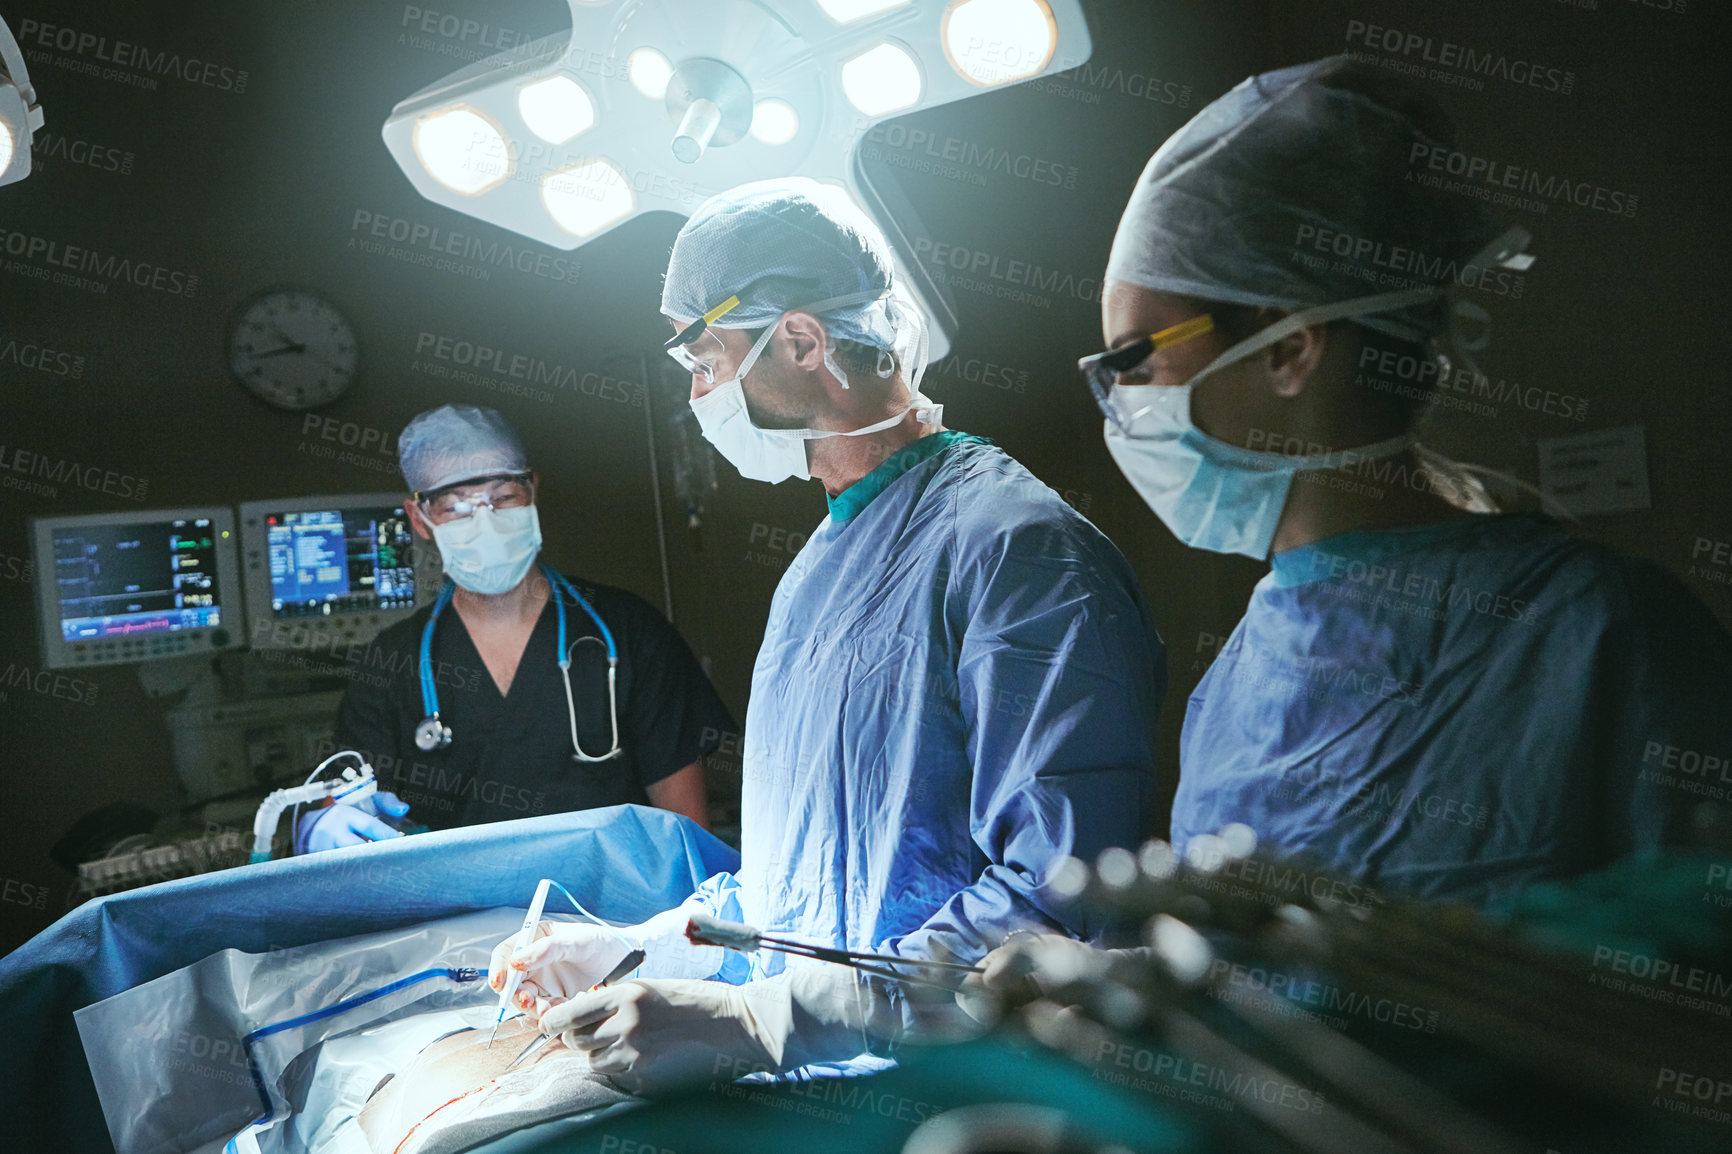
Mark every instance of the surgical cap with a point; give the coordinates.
(1298, 188)
(458, 443)
(783, 244)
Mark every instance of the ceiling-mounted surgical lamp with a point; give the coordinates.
(20, 115)
(656, 105)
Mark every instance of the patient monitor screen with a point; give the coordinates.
(327, 561)
(112, 580)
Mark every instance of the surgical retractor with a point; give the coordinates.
(704, 930)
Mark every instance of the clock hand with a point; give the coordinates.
(289, 348)
(282, 336)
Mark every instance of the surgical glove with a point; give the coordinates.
(341, 825)
(654, 1034)
(1026, 967)
(568, 958)
(668, 953)
(562, 960)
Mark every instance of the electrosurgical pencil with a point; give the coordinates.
(513, 976)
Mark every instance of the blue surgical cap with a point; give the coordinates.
(1256, 200)
(458, 443)
(783, 244)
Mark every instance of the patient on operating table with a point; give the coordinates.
(457, 1091)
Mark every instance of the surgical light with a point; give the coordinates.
(462, 150)
(650, 72)
(682, 99)
(848, 11)
(710, 103)
(882, 80)
(774, 121)
(556, 108)
(20, 115)
(993, 42)
(587, 197)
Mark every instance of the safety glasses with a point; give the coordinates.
(1102, 370)
(698, 350)
(496, 491)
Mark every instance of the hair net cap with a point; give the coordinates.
(1234, 205)
(779, 245)
(458, 443)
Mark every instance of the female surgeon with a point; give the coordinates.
(1424, 694)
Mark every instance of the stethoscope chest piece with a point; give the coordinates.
(432, 734)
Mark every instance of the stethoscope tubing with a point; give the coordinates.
(558, 582)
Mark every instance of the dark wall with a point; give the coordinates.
(252, 184)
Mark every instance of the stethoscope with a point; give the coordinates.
(434, 734)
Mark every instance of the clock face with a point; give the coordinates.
(292, 349)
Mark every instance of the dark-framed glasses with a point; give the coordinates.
(695, 348)
(1102, 370)
(496, 491)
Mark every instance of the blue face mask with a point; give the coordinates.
(490, 551)
(1213, 495)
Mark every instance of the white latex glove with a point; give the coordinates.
(668, 953)
(1026, 967)
(563, 958)
(567, 958)
(655, 1034)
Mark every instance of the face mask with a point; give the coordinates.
(490, 550)
(774, 455)
(1210, 494)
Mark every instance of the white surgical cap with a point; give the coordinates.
(458, 443)
(783, 244)
(1255, 200)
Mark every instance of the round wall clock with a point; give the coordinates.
(292, 349)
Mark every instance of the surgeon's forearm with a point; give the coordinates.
(976, 920)
(819, 1013)
(966, 936)
(683, 792)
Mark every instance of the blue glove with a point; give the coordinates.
(339, 825)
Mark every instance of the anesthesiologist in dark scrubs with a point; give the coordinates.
(463, 709)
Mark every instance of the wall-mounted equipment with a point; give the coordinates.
(119, 588)
(325, 573)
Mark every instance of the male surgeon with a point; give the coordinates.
(518, 691)
(955, 691)
(1424, 694)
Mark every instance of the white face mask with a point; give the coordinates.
(774, 455)
(490, 550)
(1213, 495)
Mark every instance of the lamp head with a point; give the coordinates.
(20, 115)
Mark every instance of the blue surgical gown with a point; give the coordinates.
(957, 689)
(1458, 709)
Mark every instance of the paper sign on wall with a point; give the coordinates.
(1599, 472)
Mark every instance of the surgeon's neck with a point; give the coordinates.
(1323, 503)
(516, 606)
(840, 462)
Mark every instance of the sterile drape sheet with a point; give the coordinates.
(624, 862)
